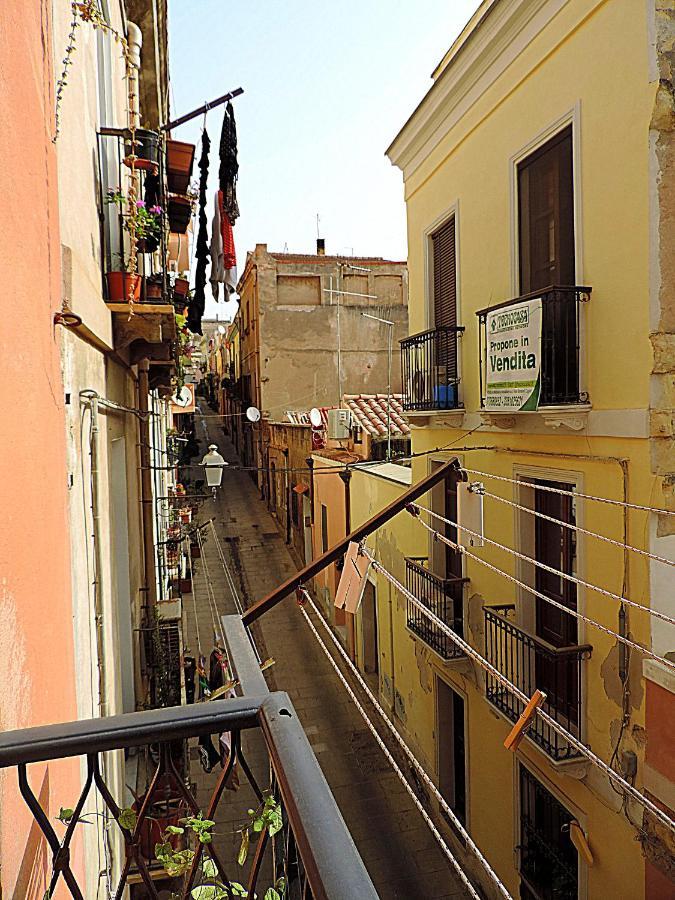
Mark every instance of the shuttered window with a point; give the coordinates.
(546, 215)
(445, 275)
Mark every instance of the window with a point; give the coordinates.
(548, 859)
(324, 528)
(546, 215)
(445, 275)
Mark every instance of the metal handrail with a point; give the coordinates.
(456, 329)
(414, 562)
(533, 295)
(551, 649)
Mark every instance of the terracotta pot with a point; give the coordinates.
(179, 161)
(181, 287)
(147, 149)
(195, 551)
(120, 284)
(185, 518)
(153, 291)
(180, 213)
(186, 585)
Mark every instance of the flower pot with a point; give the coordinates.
(153, 290)
(195, 551)
(180, 213)
(185, 517)
(120, 284)
(179, 161)
(146, 150)
(147, 244)
(181, 287)
(186, 585)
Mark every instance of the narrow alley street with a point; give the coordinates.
(399, 851)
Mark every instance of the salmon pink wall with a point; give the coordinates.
(36, 641)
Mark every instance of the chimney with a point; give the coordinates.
(320, 247)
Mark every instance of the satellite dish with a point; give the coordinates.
(221, 329)
(315, 417)
(253, 414)
(183, 397)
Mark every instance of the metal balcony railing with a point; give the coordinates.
(530, 662)
(114, 175)
(312, 851)
(429, 369)
(444, 598)
(560, 343)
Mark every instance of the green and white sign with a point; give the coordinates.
(514, 357)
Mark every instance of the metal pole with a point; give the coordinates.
(203, 109)
(389, 353)
(337, 550)
(146, 485)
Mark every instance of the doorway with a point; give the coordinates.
(369, 627)
(451, 748)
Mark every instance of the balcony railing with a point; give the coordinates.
(530, 662)
(429, 369)
(444, 598)
(560, 343)
(313, 851)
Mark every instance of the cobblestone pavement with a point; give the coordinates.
(399, 851)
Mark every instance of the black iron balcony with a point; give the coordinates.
(429, 369)
(530, 662)
(156, 842)
(560, 343)
(444, 598)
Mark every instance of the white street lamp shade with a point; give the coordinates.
(213, 462)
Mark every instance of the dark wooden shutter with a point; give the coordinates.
(546, 215)
(445, 275)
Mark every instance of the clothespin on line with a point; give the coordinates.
(517, 733)
(578, 838)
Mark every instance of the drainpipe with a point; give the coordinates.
(134, 42)
(310, 466)
(146, 486)
(346, 477)
(288, 497)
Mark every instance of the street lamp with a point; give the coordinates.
(214, 464)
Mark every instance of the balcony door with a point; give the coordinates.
(555, 546)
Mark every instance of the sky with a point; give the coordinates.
(327, 86)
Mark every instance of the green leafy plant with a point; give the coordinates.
(267, 817)
(145, 221)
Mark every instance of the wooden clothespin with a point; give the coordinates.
(578, 838)
(517, 733)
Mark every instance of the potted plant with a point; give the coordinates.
(145, 221)
(181, 287)
(180, 213)
(121, 284)
(179, 161)
(154, 287)
(146, 155)
(185, 514)
(195, 551)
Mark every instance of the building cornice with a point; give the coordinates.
(503, 31)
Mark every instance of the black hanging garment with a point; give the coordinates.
(229, 165)
(198, 301)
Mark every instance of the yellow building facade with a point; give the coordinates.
(531, 190)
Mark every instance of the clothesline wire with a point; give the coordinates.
(395, 734)
(218, 634)
(194, 594)
(392, 762)
(566, 609)
(520, 695)
(552, 490)
(574, 527)
(572, 579)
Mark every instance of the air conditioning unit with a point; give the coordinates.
(339, 424)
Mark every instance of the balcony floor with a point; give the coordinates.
(398, 849)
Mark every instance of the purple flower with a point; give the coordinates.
(156, 210)
(140, 204)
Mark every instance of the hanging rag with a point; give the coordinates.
(221, 232)
(229, 164)
(198, 301)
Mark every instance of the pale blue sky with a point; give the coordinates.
(327, 87)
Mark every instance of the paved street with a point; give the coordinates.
(400, 853)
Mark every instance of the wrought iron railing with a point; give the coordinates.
(530, 662)
(443, 597)
(429, 369)
(548, 860)
(113, 150)
(560, 343)
(310, 847)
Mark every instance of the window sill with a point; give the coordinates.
(573, 416)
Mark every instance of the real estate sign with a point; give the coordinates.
(514, 357)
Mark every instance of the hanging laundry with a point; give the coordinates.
(198, 301)
(221, 230)
(229, 164)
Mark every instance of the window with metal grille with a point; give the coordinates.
(548, 859)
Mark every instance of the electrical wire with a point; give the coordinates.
(573, 579)
(408, 752)
(573, 527)
(392, 762)
(566, 609)
(552, 490)
(520, 695)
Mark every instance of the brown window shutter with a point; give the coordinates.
(445, 275)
